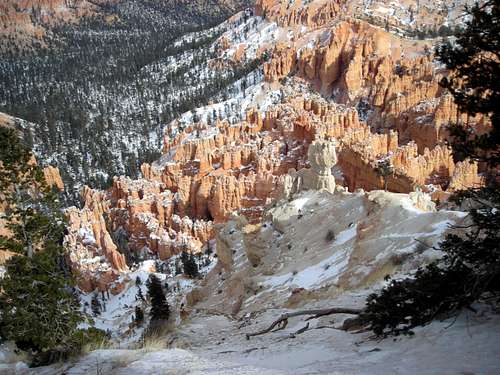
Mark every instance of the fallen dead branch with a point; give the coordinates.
(282, 321)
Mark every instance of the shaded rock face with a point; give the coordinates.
(352, 94)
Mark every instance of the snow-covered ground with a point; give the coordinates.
(467, 346)
(289, 263)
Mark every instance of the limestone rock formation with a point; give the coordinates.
(351, 94)
(29, 20)
(336, 244)
(53, 177)
(322, 157)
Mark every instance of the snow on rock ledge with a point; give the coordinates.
(322, 242)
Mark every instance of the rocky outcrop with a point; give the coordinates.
(322, 157)
(208, 173)
(365, 67)
(30, 20)
(352, 94)
(293, 13)
(401, 16)
(53, 177)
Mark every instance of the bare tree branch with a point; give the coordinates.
(282, 321)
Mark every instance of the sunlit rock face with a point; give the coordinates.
(350, 93)
(322, 158)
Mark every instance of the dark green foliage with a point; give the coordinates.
(189, 265)
(139, 294)
(139, 316)
(384, 169)
(408, 303)
(39, 309)
(159, 307)
(95, 305)
(475, 83)
(61, 88)
(91, 337)
(470, 268)
(178, 267)
(330, 236)
(32, 213)
(208, 250)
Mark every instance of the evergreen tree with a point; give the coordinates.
(39, 309)
(159, 307)
(384, 169)
(474, 83)
(32, 212)
(139, 316)
(189, 264)
(95, 305)
(470, 268)
(139, 294)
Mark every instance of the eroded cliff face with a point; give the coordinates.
(28, 20)
(343, 83)
(26, 24)
(391, 81)
(401, 15)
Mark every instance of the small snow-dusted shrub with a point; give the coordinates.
(399, 258)
(330, 236)
(81, 342)
(189, 265)
(93, 339)
(156, 338)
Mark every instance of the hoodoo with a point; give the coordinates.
(249, 187)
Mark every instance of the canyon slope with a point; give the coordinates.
(30, 23)
(288, 262)
(373, 93)
(273, 182)
(103, 78)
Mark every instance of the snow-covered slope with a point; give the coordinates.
(466, 346)
(292, 262)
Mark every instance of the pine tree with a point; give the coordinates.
(384, 169)
(159, 307)
(139, 294)
(39, 310)
(139, 316)
(32, 212)
(189, 264)
(95, 305)
(470, 268)
(474, 83)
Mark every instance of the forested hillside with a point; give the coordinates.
(98, 93)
